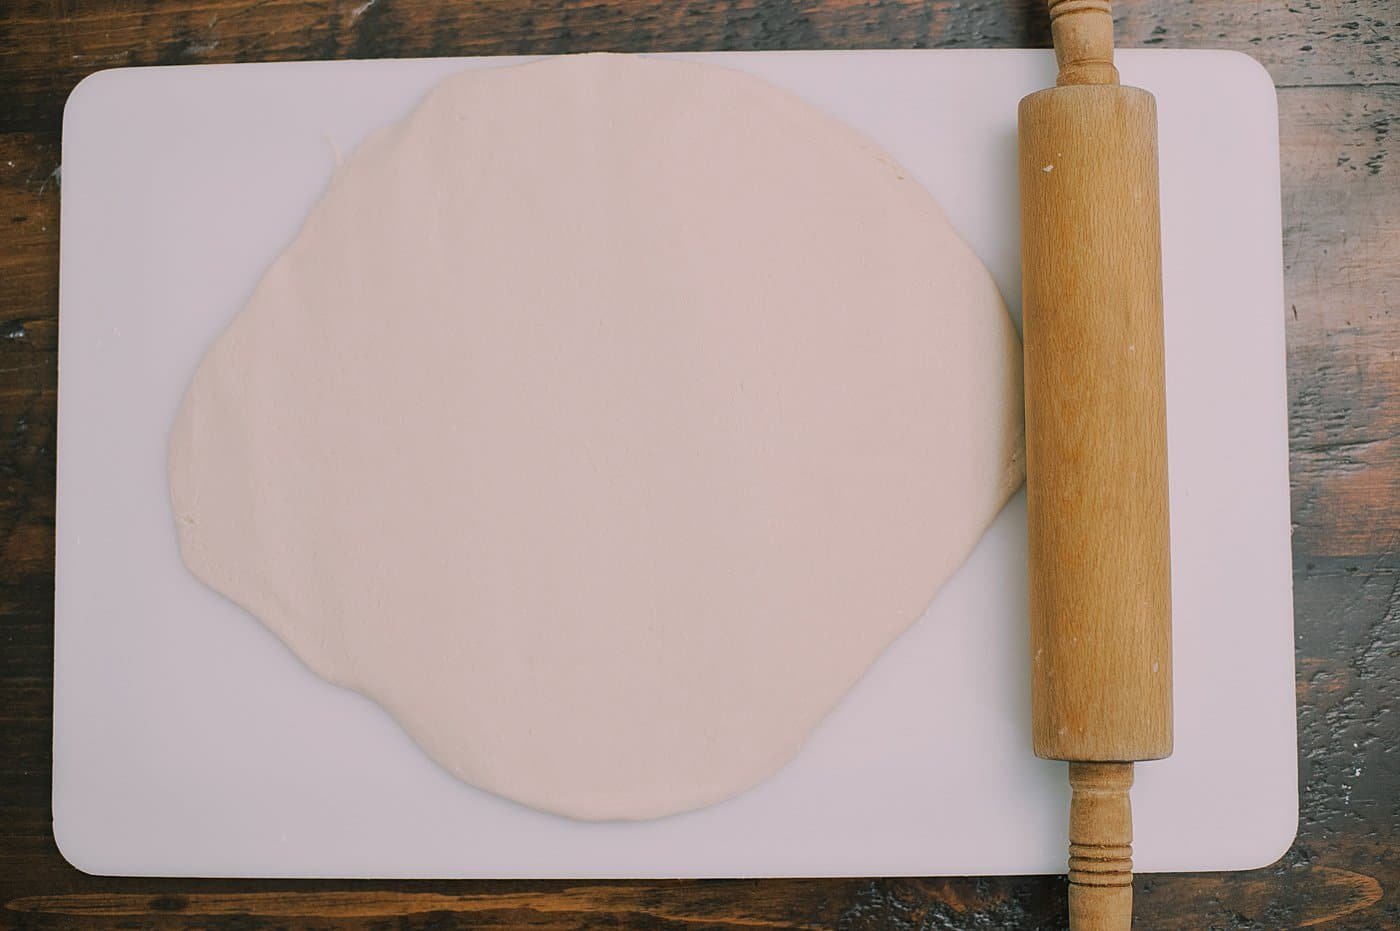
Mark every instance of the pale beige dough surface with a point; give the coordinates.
(608, 417)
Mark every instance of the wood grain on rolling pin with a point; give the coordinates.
(1095, 425)
(1096, 448)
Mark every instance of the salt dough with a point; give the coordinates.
(605, 421)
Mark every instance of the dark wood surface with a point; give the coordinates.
(1337, 65)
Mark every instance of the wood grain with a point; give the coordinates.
(1096, 448)
(52, 44)
(1096, 428)
(1341, 201)
(1337, 61)
(1082, 33)
(1100, 847)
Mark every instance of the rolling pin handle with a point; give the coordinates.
(1083, 34)
(1100, 847)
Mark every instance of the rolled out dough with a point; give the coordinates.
(604, 422)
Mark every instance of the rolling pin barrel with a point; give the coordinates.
(1095, 425)
(1095, 448)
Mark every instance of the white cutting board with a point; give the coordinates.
(189, 741)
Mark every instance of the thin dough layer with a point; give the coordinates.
(605, 421)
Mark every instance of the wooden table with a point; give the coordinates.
(1337, 67)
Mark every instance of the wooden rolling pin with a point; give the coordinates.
(1096, 456)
